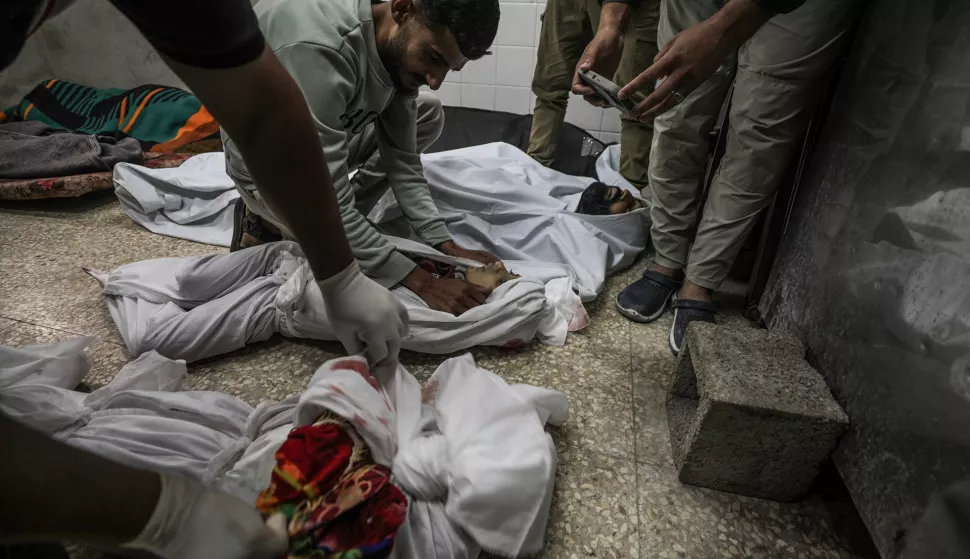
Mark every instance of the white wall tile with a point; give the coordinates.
(481, 71)
(452, 77)
(478, 96)
(582, 114)
(532, 102)
(611, 121)
(515, 66)
(517, 26)
(539, 10)
(609, 137)
(450, 94)
(512, 99)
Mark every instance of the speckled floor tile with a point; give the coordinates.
(682, 521)
(594, 510)
(52, 291)
(616, 494)
(650, 431)
(597, 383)
(101, 237)
(106, 358)
(271, 370)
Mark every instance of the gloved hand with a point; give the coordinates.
(191, 521)
(365, 315)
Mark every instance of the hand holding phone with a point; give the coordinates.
(607, 90)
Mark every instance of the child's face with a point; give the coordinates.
(489, 276)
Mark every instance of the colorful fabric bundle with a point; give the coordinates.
(162, 118)
(338, 503)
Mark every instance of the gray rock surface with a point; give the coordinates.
(747, 414)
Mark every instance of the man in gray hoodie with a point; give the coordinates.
(360, 66)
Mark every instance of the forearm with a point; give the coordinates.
(264, 112)
(614, 16)
(738, 21)
(51, 491)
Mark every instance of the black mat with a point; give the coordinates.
(474, 127)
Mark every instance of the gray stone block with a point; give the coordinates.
(747, 414)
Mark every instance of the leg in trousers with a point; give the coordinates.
(677, 162)
(638, 54)
(680, 144)
(370, 183)
(781, 72)
(566, 30)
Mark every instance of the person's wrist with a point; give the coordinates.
(447, 247)
(417, 280)
(340, 279)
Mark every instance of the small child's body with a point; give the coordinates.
(489, 276)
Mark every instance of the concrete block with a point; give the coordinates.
(747, 414)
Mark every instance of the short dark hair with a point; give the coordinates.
(593, 201)
(474, 23)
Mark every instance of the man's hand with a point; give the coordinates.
(693, 55)
(603, 53)
(365, 315)
(445, 294)
(452, 249)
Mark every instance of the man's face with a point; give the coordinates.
(621, 201)
(419, 55)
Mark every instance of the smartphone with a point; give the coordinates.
(607, 90)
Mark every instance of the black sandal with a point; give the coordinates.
(245, 222)
(685, 312)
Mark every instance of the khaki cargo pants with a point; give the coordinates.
(778, 78)
(567, 27)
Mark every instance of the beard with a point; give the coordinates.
(392, 57)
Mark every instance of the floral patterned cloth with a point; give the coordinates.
(338, 503)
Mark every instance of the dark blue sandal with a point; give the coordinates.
(685, 312)
(645, 300)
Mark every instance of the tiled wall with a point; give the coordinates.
(503, 81)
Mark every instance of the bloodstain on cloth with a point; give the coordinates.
(338, 503)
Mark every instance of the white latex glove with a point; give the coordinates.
(365, 316)
(191, 521)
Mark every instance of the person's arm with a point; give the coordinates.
(217, 48)
(51, 491)
(695, 53)
(264, 112)
(327, 81)
(401, 162)
(603, 53)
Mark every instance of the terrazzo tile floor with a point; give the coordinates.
(617, 494)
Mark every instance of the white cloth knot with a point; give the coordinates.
(421, 468)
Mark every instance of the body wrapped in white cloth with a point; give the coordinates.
(201, 306)
(471, 454)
